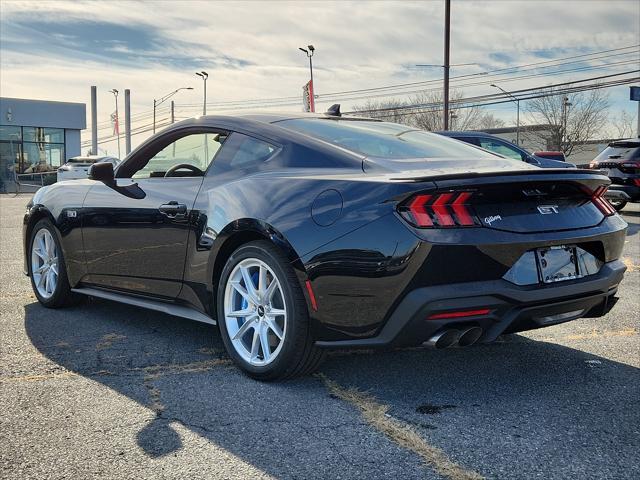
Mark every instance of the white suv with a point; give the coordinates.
(78, 167)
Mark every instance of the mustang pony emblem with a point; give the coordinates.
(548, 209)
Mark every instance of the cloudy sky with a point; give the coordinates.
(56, 50)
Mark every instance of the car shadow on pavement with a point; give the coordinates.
(528, 405)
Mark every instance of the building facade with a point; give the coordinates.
(36, 137)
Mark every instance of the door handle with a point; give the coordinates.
(173, 209)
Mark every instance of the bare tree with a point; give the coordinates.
(424, 111)
(572, 119)
(623, 125)
(488, 120)
(389, 110)
(429, 117)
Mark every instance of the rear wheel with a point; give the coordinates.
(618, 204)
(47, 268)
(263, 315)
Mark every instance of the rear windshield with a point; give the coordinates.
(384, 140)
(621, 150)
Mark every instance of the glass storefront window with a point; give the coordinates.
(10, 133)
(29, 152)
(41, 157)
(39, 134)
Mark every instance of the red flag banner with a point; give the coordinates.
(308, 101)
(115, 124)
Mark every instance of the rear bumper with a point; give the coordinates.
(513, 308)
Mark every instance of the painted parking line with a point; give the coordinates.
(399, 432)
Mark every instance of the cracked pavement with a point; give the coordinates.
(103, 390)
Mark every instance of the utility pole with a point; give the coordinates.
(127, 121)
(565, 112)
(447, 41)
(204, 75)
(517, 100)
(94, 120)
(115, 94)
(173, 112)
(161, 100)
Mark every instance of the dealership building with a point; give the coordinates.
(36, 137)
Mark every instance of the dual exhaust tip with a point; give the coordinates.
(451, 336)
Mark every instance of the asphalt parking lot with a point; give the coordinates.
(103, 390)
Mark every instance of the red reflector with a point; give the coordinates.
(451, 209)
(599, 201)
(466, 313)
(460, 209)
(440, 209)
(312, 297)
(419, 212)
(636, 181)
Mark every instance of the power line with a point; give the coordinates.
(483, 100)
(413, 84)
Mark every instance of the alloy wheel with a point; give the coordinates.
(255, 312)
(44, 263)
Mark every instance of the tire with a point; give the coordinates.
(47, 294)
(618, 204)
(289, 355)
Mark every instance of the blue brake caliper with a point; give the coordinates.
(245, 304)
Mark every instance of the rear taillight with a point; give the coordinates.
(630, 167)
(443, 210)
(636, 182)
(597, 197)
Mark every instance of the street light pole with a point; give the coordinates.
(204, 75)
(161, 100)
(309, 51)
(447, 43)
(115, 94)
(517, 100)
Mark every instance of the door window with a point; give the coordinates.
(242, 152)
(188, 156)
(501, 148)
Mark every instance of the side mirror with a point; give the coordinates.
(102, 172)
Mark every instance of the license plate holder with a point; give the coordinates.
(558, 263)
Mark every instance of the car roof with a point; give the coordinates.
(267, 117)
(466, 133)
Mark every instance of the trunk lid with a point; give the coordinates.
(528, 201)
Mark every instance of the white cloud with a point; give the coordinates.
(359, 45)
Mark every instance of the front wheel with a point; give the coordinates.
(47, 268)
(263, 315)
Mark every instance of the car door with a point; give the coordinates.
(135, 232)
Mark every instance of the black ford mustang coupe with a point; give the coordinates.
(299, 233)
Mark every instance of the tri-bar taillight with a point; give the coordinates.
(597, 197)
(440, 210)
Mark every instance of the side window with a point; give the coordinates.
(241, 152)
(500, 148)
(193, 153)
(471, 140)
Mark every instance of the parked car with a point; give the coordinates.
(303, 232)
(78, 167)
(551, 155)
(507, 149)
(620, 161)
